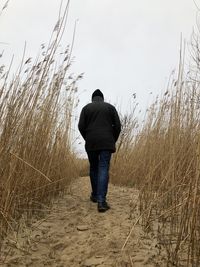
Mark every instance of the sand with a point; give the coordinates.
(73, 233)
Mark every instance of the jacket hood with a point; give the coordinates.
(97, 99)
(97, 93)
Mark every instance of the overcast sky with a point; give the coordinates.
(123, 47)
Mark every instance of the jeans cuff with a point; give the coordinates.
(101, 199)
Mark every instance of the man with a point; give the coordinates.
(100, 126)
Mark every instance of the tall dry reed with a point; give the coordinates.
(36, 157)
(162, 159)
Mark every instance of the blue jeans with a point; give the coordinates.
(99, 173)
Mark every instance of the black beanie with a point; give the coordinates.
(97, 93)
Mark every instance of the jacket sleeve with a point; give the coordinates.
(82, 124)
(116, 124)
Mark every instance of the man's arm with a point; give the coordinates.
(81, 124)
(116, 124)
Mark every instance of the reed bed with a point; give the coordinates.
(162, 159)
(83, 167)
(36, 157)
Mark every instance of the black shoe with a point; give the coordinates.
(103, 206)
(93, 199)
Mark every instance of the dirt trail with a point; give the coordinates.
(74, 234)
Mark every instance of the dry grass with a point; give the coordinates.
(83, 167)
(163, 161)
(36, 159)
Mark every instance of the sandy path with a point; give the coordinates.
(74, 234)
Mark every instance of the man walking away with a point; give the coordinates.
(100, 126)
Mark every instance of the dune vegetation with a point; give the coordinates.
(161, 157)
(36, 156)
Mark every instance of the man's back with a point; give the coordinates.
(100, 126)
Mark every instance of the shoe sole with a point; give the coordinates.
(103, 210)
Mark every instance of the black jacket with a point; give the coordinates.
(100, 126)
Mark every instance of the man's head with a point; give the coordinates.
(97, 93)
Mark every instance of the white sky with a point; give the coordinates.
(123, 47)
